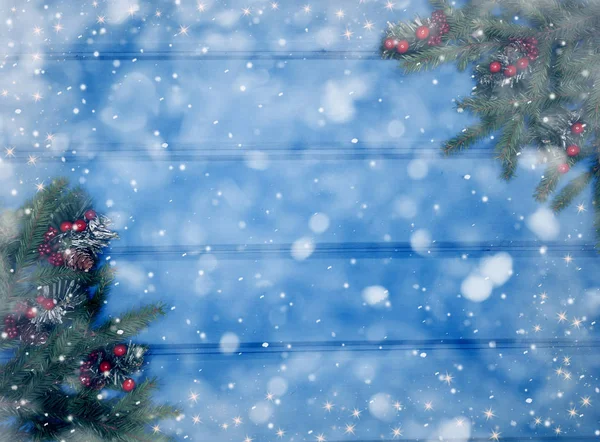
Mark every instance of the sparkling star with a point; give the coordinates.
(557, 431)
(328, 406)
(100, 19)
(489, 414)
(37, 30)
(368, 25)
(37, 97)
(447, 378)
(157, 13)
(269, 396)
(389, 5)
(460, 421)
(193, 397)
(32, 159)
(397, 406)
(50, 137)
(585, 401)
(568, 259)
(132, 9)
(237, 420)
(356, 413)
(562, 316)
(321, 438)
(36, 57)
(4, 93)
(246, 11)
(559, 371)
(225, 426)
(280, 432)
(339, 14)
(196, 420)
(543, 296)
(95, 4)
(247, 439)
(10, 151)
(495, 435)
(576, 322)
(155, 429)
(537, 328)
(537, 421)
(567, 376)
(567, 360)
(183, 30)
(396, 432)
(348, 33)
(201, 7)
(428, 406)
(58, 27)
(39, 187)
(580, 208)
(306, 8)
(274, 5)
(349, 429)
(572, 412)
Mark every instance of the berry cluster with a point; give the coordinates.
(49, 248)
(10, 327)
(527, 46)
(440, 26)
(516, 56)
(99, 366)
(432, 32)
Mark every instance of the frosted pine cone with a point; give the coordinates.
(79, 259)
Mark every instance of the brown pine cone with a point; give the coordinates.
(78, 260)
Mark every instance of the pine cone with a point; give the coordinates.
(78, 259)
(31, 335)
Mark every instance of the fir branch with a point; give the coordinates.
(433, 57)
(568, 193)
(128, 325)
(547, 185)
(34, 227)
(472, 135)
(46, 275)
(510, 144)
(106, 276)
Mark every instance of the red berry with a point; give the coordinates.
(389, 43)
(65, 226)
(563, 168)
(85, 380)
(577, 128)
(79, 225)
(31, 312)
(128, 384)
(120, 350)
(48, 303)
(56, 259)
(90, 214)
(40, 299)
(522, 63)
(422, 32)
(105, 366)
(402, 46)
(573, 150)
(495, 67)
(510, 71)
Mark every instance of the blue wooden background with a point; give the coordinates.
(281, 188)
